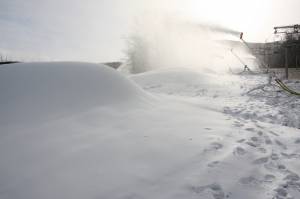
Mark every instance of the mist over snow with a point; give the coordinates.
(92, 30)
(96, 30)
(166, 41)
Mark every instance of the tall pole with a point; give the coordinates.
(286, 63)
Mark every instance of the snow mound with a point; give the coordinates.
(185, 82)
(42, 91)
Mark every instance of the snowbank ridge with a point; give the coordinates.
(42, 91)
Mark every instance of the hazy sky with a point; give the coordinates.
(95, 30)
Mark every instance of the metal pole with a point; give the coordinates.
(261, 62)
(286, 63)
(242, 62)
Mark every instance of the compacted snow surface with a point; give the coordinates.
(78, 130)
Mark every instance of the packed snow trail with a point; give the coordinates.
(174, 139)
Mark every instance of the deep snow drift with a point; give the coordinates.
(166, 134)
(41, 91)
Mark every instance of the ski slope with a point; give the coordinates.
(80, 130)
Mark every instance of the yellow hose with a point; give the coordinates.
(284, 87)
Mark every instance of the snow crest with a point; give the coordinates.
(41, 91)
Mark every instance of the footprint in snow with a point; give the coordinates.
(253, 181)
(250, 129)
(261, 160)
(262, 150)
(290, 156)
(251, 144)
(215, 146)
(297, 141)
(269, 178)
(214, 189)
(274, 166)
(283, 146)
(268, 141)
(254, 139)
(260, 133)
(274, 156)
(238, 124)
(239, 151)
(281, 167)
(292, 177)
(249, 181)
(241, 141)
(291, 182)
(281, 193)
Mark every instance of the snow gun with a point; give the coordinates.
(250, 49)
(241, 36)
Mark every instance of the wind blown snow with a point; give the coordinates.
(180, 127)
(168, 42)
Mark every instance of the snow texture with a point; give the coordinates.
(41, 91)
(79, 130)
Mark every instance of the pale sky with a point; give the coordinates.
(95, 30)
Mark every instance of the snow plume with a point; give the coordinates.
(221, 29)
(163, 42)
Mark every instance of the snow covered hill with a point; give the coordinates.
(79, 130)
(35, 92)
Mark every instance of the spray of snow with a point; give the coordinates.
(164, 42)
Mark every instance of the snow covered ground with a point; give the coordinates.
(78, 130)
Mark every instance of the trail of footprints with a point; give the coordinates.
(263, 142)
(213, 189)
(271, 163)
